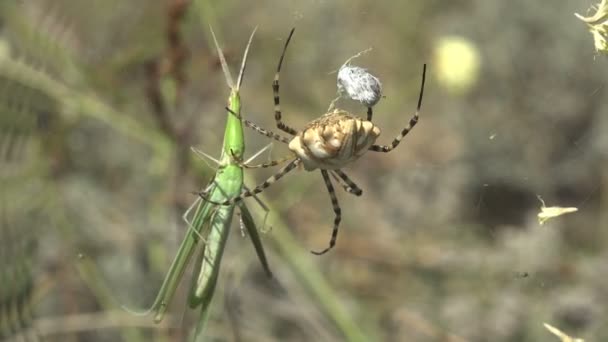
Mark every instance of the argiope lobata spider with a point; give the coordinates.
(327, 143)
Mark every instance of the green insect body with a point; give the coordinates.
(228, 182)
(211, 223)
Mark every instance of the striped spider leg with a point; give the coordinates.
(411, 124)
(327, 143)
(348, 185)
(339, 176)
(275, 91)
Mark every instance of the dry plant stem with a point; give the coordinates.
(166, 106)
(177, 51)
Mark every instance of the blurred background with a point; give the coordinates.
(445, 243)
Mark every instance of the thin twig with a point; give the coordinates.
(177, 52)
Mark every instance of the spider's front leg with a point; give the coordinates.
(275, 92)
(248, 193)
(266, 132)
(259, 129)
(239, 161)
(397, 140)
(412, 123)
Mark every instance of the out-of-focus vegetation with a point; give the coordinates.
(444, 244)
(598, 26)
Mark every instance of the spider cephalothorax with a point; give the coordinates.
(328, 143)
(334, 140)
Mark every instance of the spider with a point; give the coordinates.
(328, 143)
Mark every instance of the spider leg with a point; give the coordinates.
(275, 91)
(341, 183)
(271, 163)
(266, 132)
(337, 211)
(248, 193)
(406, 130)
(350, 186)
(370, 113)
(259, 129)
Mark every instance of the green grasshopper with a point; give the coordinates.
(211, 223)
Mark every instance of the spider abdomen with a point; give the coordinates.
(333, 140)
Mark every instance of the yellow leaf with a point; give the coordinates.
(551, 212)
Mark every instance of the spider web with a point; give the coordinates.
(445, 240)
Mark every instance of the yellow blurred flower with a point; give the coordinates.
(457, 63)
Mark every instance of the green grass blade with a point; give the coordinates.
(254, 236)
(182, 258)
(179, 264)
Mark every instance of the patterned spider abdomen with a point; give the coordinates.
(333, 140)
(359, 85)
